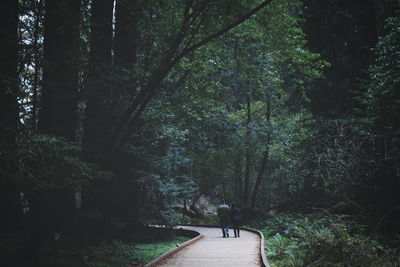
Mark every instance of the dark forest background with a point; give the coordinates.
(116, 114)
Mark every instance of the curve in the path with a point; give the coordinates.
(213, 250)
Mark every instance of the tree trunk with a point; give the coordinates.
(184, 208)
(98, 118)
(223, 190)
(36, 56)
(247, 170)
(58, 111)
(125, 51)
(8, 71)
(101, 31)
(238, 180)
(9, 194)
(265, 158)
(126, 34)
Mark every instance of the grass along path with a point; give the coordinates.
(116, 253)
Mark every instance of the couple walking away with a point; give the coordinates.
(225, 213)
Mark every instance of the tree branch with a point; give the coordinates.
(222, 31)
(168, 63)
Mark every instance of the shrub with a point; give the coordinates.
(322, 240)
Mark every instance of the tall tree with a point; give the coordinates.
(343, 32)
(8, 112)
(37, 61)
(126, 33)
(125, 46)
(58, 111)
(8, 69)
(264, 161)
(97, 118)
(246, 191)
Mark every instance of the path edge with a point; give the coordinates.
(263, 256)
(175, 250)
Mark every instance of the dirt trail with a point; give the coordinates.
(213, 250)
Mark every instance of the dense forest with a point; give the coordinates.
(117, 114)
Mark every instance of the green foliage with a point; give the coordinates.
(346, 164)
(190, 134)
(340, 159)
(248, 62)
(47, 185)
(159, 173)
(290, 154)
(46, 162)
(382, 96)
(324, 240)
(115, 253)
(123, 254)
(205, 220)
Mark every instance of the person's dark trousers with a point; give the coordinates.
(224, 225)
(236, 229)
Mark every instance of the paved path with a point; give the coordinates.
(213, 250)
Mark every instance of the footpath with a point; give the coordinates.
(213, 250)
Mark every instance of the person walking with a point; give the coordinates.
(223, 214)
(236, 216)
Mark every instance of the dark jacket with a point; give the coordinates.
(235, 214)
(223, 212)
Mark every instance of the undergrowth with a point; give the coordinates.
(324, 240)
(116, 253)
(205, 220)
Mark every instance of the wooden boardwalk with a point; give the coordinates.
(213, 250)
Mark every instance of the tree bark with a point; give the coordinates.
(36, 56)
(8, 71)
(58, 111)
(238, 180)
(98, 118)
(125, 42)
(265, 158)
(101, 31)
(9, 194)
